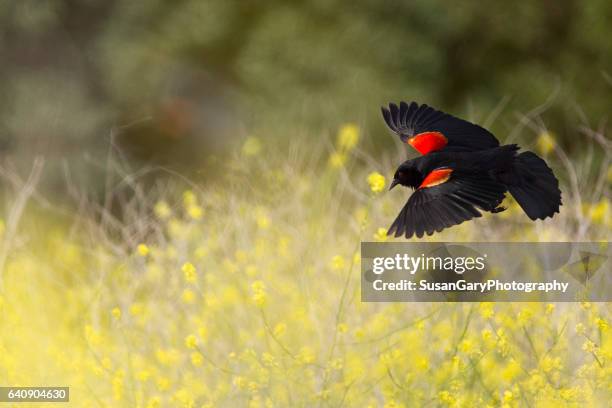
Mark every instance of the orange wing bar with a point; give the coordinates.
(428, 142)
(436, 177)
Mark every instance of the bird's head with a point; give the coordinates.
(407, 175)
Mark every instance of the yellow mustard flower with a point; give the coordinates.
(589, 346)
(189, 272)
(381, 235)
(546, 142)
(259, 293)
(195, 212)
(376, 182)
(163, 384)
(188, 296)
(143, 375)
(189, 198)
(279, 329)
(162, 210)
(600, 211)
(602, 324)
(154, 402)
(143, 250)
(196, 359)
(191, 341)
(348, 136)
(338, 263)
(116, 313)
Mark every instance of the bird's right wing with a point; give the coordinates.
(446, 198)
(427, 129)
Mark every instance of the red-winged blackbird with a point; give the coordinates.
(463, 169)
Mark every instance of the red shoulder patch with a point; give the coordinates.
(436, 177)
(428, 142)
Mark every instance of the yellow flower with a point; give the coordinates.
(381, 235)
(342, 328)
(162, 210)
(337, 160)
(189, 198)
(143, 250)
(486, 335)
(136, 309)
(600, 211)
(524, 316)
(511, 371)
(548, 364)
(252, 146)
(486, 310)
(602, 324)
(338, 263)
(143, 375)
(189, 272)
(589, 346)
(422, 363)
(197, 359)
(188, 296)
(376, 182)
(116, 313)
(154, 402)
(348, 136)
(259, 293)
(191, 341)
(258, 286)
(195, 212)
(446, 397)
(268, 360)
(279, 329)
(546, 142)
(163, 384)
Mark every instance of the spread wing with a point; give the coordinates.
(446, 198)
(427, 129)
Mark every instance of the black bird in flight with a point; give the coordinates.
(463, 169)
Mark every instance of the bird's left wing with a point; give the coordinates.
(428, 130)
(446, 198)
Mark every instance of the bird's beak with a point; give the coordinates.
(394, 183)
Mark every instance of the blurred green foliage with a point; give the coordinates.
(174, 81)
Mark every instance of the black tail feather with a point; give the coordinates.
(535, 187)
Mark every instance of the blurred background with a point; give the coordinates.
(176, 83)
(184, 187)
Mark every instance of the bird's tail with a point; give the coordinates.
(534, 186)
